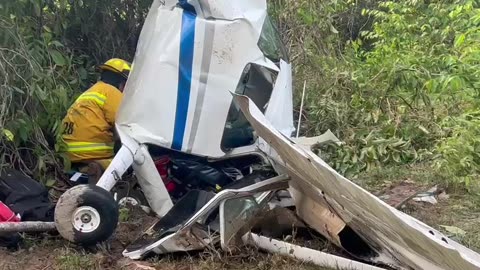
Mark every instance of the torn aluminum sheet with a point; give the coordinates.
(309, 142)
(397, 238)
(428, 196)
(191, 54)
(191, 223)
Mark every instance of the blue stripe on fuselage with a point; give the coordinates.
(187, 38)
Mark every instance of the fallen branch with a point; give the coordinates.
(27, 226)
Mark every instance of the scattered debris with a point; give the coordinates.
(327, 137)
(398, 195)
(428, 196)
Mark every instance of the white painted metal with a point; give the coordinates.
(119, 165)
(151, 183)
(86, 219)
(305, 254)
(128, 200)
(134, 154)
(156, 109)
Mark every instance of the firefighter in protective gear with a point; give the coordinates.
(88, 127)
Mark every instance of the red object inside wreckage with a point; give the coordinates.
(161, 164)
(7, 215)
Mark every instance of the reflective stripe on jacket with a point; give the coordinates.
(78, 147)
(87, 130)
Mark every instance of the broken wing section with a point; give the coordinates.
(395, 236)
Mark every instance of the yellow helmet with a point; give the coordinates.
(117, 65)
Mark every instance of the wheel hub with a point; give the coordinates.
(128, 200)
(86, 219)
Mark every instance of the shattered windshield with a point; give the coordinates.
(270, 42)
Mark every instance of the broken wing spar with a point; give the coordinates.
(389, 232)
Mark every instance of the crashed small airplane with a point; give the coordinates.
(212, 81)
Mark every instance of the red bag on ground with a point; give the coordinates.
(7, 215)
(9, 240)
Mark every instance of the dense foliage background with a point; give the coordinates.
(398, 81)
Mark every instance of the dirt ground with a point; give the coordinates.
(52, 252)
(457, 214)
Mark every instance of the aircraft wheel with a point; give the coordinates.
(86, 215)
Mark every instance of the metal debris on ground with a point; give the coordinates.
(428, 196)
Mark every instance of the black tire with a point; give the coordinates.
(87, 205)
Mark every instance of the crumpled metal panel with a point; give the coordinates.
(398, 238)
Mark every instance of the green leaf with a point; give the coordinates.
(41, 164)
(23, 134)
(82, 73)
(333, 29)
(36, 7)
(57, 58)
(18, 90)
(422, 128)
(459, 40)
(396, 157)
(50, 183)
(56, 43)
(454, 230)
(67, 164)
(124, 214)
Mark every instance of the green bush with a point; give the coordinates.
(459, 151)
(38, 77)
(48, 51)
(386, 90)
(422, 69)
